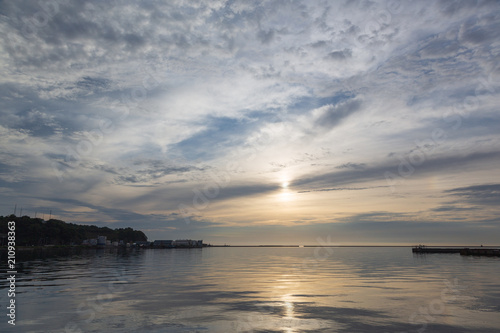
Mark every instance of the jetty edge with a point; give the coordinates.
(465, 251)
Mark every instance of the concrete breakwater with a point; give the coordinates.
(479, 251)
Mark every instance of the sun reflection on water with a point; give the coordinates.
(289, 314)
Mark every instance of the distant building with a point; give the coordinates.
(182, 243)
(163, 243)
(179, 243)
(188, 243)
(101, 240)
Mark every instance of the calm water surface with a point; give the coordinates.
(257, 290)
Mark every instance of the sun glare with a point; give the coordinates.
(285, 194)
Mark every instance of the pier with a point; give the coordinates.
(480, 252)
(465, 251)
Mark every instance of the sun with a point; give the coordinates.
(285, 194)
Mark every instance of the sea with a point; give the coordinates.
(254, 289)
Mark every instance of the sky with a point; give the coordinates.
(255, 122)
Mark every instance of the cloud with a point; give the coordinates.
(120, 217)
(402, 169)
(340, 55)
(219, 134)
(265, 36)
(198, 197)
(93, 84)
(486, 194)
(440, 48)
(331, 115)
(478, 31)
(342, 189)
(411, 228)
(450, 7)
(350, 165)
(453, 208)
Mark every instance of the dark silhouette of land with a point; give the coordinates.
(38, 232)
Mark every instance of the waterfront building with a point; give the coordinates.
(163, 243)
(101, 240)
(188, 243)
(179, 243)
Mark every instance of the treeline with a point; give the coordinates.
(36, 231)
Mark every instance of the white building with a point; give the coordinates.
(188, 243)
(101, 240)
